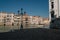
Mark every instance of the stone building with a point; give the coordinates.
(6, 18)
(54, 9)
(54, 13)
(11, 19)
(17, 20)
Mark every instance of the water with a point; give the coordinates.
(8, 28)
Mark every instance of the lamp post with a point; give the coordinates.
(21, 18)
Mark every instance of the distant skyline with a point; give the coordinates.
(32, 7)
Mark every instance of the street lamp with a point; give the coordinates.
(21, 18)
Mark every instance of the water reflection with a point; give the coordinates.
(8, 28)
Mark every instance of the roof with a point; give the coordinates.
(7, 12)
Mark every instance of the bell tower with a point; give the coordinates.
(54, 9)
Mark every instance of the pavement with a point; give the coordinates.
(31, 34)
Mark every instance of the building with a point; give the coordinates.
(54, 9)
(26, 19)
(40, 20)
(2, 17)
(6, 18)
(54, 13)
(17, 20)
(35, 20)
(46, 21)
(11, 19)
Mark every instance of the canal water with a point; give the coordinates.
(8, 28)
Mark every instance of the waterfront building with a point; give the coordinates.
(46, 21)
(12, 19)
(2, 17)
(6, 18)
(35, 20)
(17, 20)
(40, 20)
(26, 19)
(9, 19)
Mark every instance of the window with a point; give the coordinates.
(8, 19)
(52, 5)
(8, 15)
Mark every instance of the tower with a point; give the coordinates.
(54, 13)
(54, 9)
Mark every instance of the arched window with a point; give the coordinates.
(52, 5)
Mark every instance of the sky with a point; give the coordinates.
(32, 7)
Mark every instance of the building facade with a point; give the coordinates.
(54, 13)
(15, 19)
(45, 21)
(6, 18)
(54, 9)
